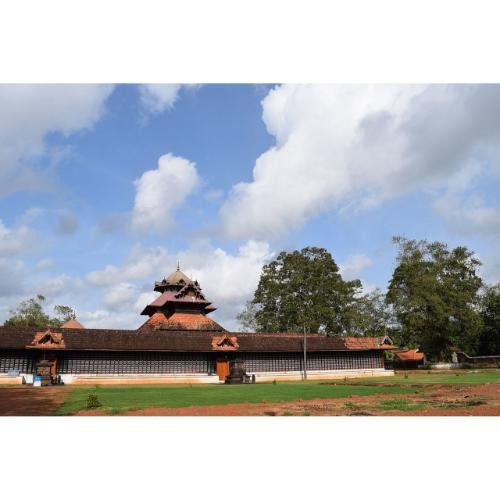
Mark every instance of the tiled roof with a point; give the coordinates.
(363, 343)
(182, 341)
(72, 323)
(410, 355)
(181, 321)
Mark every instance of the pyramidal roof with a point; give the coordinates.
(73, 323)
(177, 277)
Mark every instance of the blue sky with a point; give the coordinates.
(104, 188)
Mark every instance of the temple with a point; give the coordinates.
(180, 343)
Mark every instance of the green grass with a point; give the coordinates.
(119, 399)
(400, 404)
(435, 377)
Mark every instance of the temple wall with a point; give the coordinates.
(133, 363)
(93, 367)
(16, 359)
(316, 361)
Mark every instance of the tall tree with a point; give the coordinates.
(489, 338)
(301, 289)
(370, 315)
(434, 292)
(30, 313)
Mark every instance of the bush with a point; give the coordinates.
(93, 401)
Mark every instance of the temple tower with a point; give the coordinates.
(181, 306)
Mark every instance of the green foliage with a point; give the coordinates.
(489, 339)
(30, 313)
(64, 313)
(370, 315)
(301, 289)
(93, 401)
(247, 319)
(434, 293)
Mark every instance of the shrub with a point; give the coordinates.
(93, 401)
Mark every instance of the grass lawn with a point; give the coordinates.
(118, 399)
(435, 377)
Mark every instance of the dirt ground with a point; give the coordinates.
(28, 401)
(437, 400)
(444, 400)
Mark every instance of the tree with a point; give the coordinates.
(434, 292)
(247, 318)
(370, 315)
(30, 313)
(64, 313)
(301, 289)
(489, 338)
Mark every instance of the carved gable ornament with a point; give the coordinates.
(224, 343)
(47, 340)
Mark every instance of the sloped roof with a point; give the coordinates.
(177, 277)
(181, 340)
(410, 355)
(182, 321)
(73, 323)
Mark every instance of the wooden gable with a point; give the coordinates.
(47, 340)
(224, 343)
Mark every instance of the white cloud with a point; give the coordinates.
(56, 286)
(346, 147)
(141, 263)
(29, 113)
(118, 296)
(469, 215)
(353, 265)
(11, 277)
(160, 191)
(226, 277)
(157, 98)
(102, 318)
(15, 240)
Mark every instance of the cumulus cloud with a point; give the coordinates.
(29, 113)
(56, 286)
(353, 265)
(469, 215)
(11, 277)
(350, 147)
(103, 318)
(15, 240)
(118, 295)
(157, 98)
(160, 191)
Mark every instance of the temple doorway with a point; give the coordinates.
(222, 368)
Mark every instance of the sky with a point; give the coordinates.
(104, 188)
